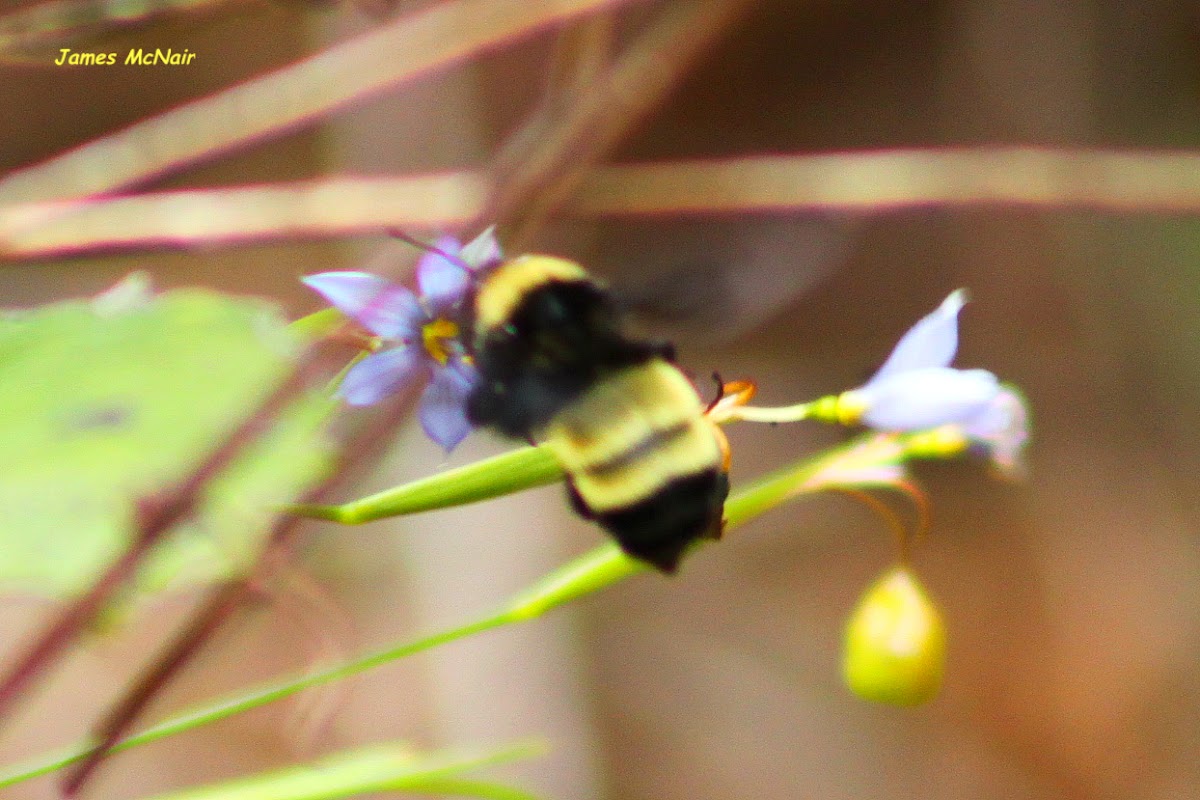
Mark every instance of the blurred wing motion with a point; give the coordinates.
(713, 281)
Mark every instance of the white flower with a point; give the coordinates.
(916, 388)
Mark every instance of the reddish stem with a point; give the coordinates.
(156, 514)
(365, 446)
(543, 170)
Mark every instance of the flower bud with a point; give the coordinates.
(895, 643)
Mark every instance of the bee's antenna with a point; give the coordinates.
(716, 376)
(429, 248)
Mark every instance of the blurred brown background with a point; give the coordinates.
(1073, 600)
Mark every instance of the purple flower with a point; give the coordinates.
(422, 331)
(916, 387)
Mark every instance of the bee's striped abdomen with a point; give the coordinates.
(649, 468)
(626, 425)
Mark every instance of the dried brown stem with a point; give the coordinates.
(405, 49)
(156, 515)
(1107, 181)
(573, 138)
(366, 446)
(534, 181)
(223, 600)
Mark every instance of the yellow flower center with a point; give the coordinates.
(435, 335)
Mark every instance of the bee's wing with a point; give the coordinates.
(714, 281)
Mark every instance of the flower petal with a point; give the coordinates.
(443, 411)
(380, 374)
(1003, 428)
(382, 308)
(926, 398)
(875, 462)
(932, 342)
(482, 251)
(443, 281)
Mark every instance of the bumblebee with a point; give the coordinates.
(627, 426)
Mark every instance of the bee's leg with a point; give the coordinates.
(579, 505)
(726, 461)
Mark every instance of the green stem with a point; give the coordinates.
(524, 468)
(589, 573)
(379, 768)
(465, 787)
(254, 699)
(319, 323)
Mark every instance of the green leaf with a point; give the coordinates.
(381, 768)
(106, 401)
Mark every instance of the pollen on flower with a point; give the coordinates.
(415, 339)
(436, 336)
